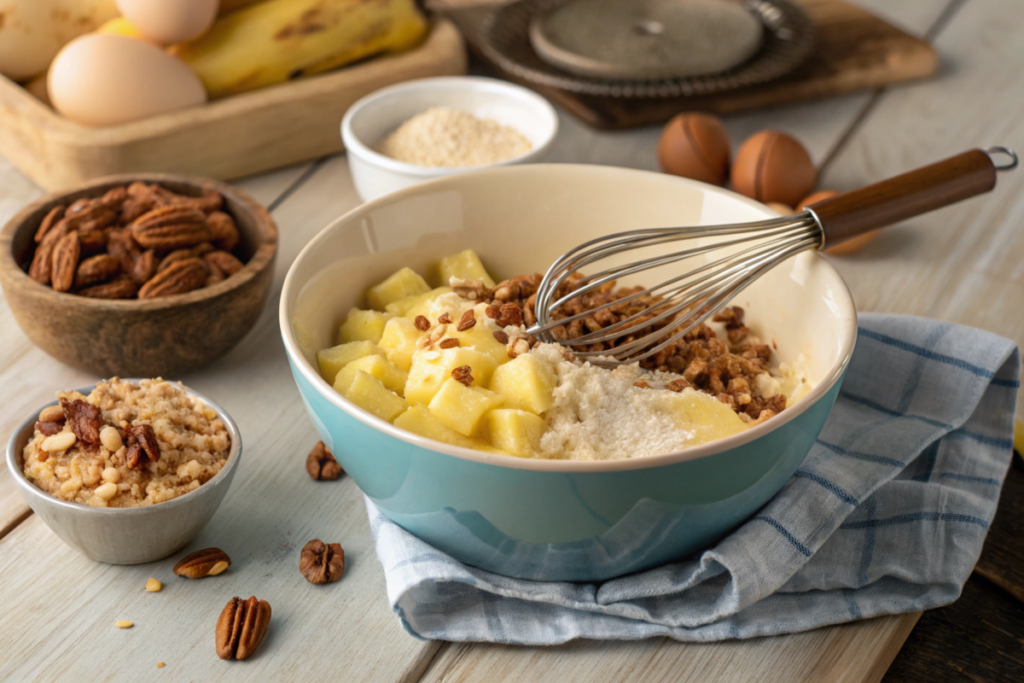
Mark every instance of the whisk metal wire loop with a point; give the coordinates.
(705, 290)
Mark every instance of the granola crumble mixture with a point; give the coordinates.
(126, 445)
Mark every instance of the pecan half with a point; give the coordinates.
(421, 323)
(64, 262)
(142, 446)
(501, 336)
(463, 375)
(93, 241)
(492, 311)
(321, 463)
(227, 263)
(223, 229)
(449, 343)
(201, 563)
(174, 257)
(86, 421)
(322, 562)
(179, 278)
(241, 627)
(96, 269)
(143, 266)
(171, 227)
(122, 288)
(42, 263)
(207, 201)
(51, 219)
(444, 318)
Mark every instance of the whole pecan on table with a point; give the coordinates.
(322, 562)
(321, 463)
(241, 627)
(202, 563)
(119, 245)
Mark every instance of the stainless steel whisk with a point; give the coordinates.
(694, 296)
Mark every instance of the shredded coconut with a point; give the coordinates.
(447, 137)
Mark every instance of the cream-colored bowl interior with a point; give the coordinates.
(519, 219)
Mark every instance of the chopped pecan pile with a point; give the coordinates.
(725, 369)
(136, 241)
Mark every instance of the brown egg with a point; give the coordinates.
(695, 146)
(781, 208)
(773, 167)
(815, 197)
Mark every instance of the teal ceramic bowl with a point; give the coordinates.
(559, 520)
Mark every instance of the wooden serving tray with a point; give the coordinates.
(228, 138)
(853, 50)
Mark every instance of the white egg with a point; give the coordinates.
(103, 80)
(33, 31)
(170, 21)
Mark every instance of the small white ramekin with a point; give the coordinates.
(369, 121)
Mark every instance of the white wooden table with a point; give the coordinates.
(57, 609)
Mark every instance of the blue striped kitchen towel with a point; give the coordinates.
(887, 514)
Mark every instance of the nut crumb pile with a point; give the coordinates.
(125, 445)
(445, 137)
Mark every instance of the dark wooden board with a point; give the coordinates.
(854, 50)
(980, 637)
(1002, 558)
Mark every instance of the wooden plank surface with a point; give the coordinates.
(346, 630)
(1002, 558)
(978, 638)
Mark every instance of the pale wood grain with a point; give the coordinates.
(964, 263)
(854, 653)
(228, 138)
(346, 630)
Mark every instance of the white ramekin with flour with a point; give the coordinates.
(372, 119)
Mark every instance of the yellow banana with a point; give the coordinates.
(277, 40)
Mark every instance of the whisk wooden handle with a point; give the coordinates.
(849, 214)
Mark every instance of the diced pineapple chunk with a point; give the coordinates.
(481, 339)
(526, 383)
(376, 366)
(363, 326)
(702, 415)
(370, 394)
(412, 306)
(402, 285)
(399, 342)
(465, 265)
(462, 408)
(419, 420)
(431, 367)
(333, 359)
(515, 431)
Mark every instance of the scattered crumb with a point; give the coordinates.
(123, 623)
(153, 586)
(159, 665)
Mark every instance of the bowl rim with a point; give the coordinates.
(12, 275)
(309, 373)
(354, 145)
(30, 490)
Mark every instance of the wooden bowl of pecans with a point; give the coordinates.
(143, 275)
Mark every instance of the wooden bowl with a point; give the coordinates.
(162, 337)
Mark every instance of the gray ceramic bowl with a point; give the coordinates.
(126, 535)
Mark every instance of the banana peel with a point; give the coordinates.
(275, 41)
